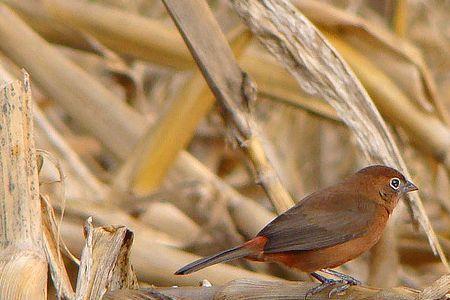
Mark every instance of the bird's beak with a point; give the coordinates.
(409, 187)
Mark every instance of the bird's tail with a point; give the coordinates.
(247, 249)
(227, 255)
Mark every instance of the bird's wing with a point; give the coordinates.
(320, 221)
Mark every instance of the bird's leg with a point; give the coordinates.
(346, 279)
(350, 280)
(325, 282)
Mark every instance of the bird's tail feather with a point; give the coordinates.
(227, 255)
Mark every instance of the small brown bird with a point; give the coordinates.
(325, 229)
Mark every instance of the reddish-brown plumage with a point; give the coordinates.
(334, 256)
(326, 228)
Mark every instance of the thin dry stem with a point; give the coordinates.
(400, 18)
(232, 88)
(96, 189)
(52, 243)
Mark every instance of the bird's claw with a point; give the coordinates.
(353, 281)
(340, 286)
(325, 284)
(339, 289)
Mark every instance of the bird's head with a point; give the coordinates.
(387, 184)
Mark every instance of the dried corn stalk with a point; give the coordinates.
(105, 264)
(246, 289)
(23, 266)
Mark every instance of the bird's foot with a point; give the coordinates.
(324, 284)
(339, 285)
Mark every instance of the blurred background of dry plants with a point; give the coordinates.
(144, 165)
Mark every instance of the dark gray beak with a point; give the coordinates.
(409, 187)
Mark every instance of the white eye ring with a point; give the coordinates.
(395, 183)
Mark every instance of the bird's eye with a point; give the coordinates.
(395, 183)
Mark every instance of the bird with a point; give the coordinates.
(325, 229)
